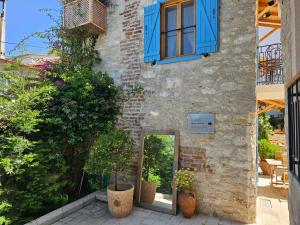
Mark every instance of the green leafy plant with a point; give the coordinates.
(82, 106)
(49, 118)
(184, 179)
(264, 126)
(266, 149)
(158, 161)
(112, 152)
(152, 154)
(31, 169)
(278, 121)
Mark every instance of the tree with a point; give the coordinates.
(152, 153)
(111, 152)
(264, 126)
(30, 168)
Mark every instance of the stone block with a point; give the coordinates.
(51, 217)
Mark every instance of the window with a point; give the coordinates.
(178, 29)
(294, 128)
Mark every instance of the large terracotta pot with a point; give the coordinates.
(148, 191)
(187, 203)
(120, 202)
(265, 167)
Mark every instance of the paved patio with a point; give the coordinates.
(272, 204)
(272, 209)
(97, 214)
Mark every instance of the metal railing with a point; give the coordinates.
(294, 126)
(270, 66)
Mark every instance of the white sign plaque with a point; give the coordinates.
(201, 123)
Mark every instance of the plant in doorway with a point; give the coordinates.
(112, 152)
(187, 202)
(152, 153)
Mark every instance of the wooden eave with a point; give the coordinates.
(269, 105)
(262, 8)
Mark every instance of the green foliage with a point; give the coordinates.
(112, 152)
(30, 169)
(153, 146)
(166, 164)
(277, 121)
(266, 149)
(158, 161)
(264, 126)
(184, 179)
(48, 123)
(84, 105)
(154, 178)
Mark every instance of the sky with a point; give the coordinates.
(24, 18)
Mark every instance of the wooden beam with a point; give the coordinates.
(266, 10)
(271, 19)
(256, 13)
(268, 34)
(267, 108)
(275, 103)
(273, 11)
(269, 25)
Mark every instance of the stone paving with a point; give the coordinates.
(97, 214)
(272, 204)
(272, 209)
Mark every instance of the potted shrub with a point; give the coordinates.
(152, 148)
(112, 153)
(187, 202)
(266, 150)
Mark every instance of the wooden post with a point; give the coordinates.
(2, 29)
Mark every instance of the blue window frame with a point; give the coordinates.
(180, 31)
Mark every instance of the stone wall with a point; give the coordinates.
(223, 84)
(291, 48)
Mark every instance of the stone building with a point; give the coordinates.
(290, 38)
(219, 79)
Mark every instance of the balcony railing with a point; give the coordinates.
(88, 14)
(270, 68)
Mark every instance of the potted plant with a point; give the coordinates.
(152, 148)
(266, 150)
(187, 202)
(112, 152)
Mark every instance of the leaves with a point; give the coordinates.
(184, 179)
(111, 152)
(24, 162)
(266, 149)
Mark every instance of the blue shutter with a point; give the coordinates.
(207, 19)
(152, 33)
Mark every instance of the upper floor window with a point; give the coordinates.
(178, 30)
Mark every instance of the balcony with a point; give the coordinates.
(270, 77)
(270, 68)
(87, 14)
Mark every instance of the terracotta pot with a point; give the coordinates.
(148, 191)
(187, 203)
(120, 202)
(265, 167)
